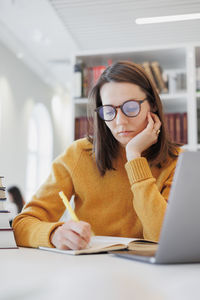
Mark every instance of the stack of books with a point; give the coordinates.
(7, 239)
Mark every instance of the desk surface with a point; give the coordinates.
(32, 274)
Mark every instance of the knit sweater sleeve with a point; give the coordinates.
(149, 196)
(40, 216)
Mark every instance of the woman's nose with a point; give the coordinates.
(120, 117)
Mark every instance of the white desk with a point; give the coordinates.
(32, 274)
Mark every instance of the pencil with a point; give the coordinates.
(68, 206)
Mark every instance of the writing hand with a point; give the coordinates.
(145, 138)
(71, 235)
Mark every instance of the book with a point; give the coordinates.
(176, 125)
(1, 181)
(7, 239)
(159, 78)
(185, 128)
(4, 219)
(2, 204)
(2, 193)
(148, 69)
(103, 244)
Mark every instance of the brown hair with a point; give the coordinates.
(105, 146)
(17, 197)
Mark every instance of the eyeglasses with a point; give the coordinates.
(130, 108)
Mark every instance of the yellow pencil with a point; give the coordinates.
(70, 210)
(68, 206)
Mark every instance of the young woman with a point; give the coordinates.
(120, 177)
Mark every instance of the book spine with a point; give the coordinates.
(158, 74)
(148, 70)
(178, 127)
(85, 82)
(184, 126)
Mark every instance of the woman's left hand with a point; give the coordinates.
(145, 138)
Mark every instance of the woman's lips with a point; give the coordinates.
(125, 133)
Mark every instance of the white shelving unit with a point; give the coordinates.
(182, 58)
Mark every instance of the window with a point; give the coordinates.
(40, 148)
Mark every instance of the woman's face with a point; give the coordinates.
(122, 127)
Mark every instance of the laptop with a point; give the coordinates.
(180, 234)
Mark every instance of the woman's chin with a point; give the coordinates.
(124, 140)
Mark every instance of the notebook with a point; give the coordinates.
(180, 235)
(102, 244)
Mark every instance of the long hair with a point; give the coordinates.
(17, 197)
(105, 146)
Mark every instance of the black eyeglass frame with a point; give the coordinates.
(121, 107)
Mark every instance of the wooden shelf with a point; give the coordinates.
(175, 96)
(81, 100)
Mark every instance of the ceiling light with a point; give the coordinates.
(20, 55)
(37, 36)
(164, 19)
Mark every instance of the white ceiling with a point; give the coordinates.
(47, 33)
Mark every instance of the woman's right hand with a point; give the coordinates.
(71, 235)
(144, 139)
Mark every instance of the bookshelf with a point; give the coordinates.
(178, 63)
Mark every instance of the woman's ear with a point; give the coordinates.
(154, 108)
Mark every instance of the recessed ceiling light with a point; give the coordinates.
(164, 19)
(60, 61)
(37, 36)
(20, 55)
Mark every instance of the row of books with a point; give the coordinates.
(86, 77)
(176, 124)
(81, 127)
(7, 239)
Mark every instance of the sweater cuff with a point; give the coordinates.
(46, 231)
(138, 169)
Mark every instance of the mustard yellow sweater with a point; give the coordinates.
(129, 201)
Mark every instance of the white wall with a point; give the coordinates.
(20, 89)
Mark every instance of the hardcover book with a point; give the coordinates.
(7, 239)
(4, 219)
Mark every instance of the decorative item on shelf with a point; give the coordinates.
(7, 239)
(198, 79)
(177, 82)
(180, 82)
(78, 80)
(198, 123)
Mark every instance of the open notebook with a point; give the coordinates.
(102, 244)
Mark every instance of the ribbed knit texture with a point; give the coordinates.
(129, 201)
(138, 169)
